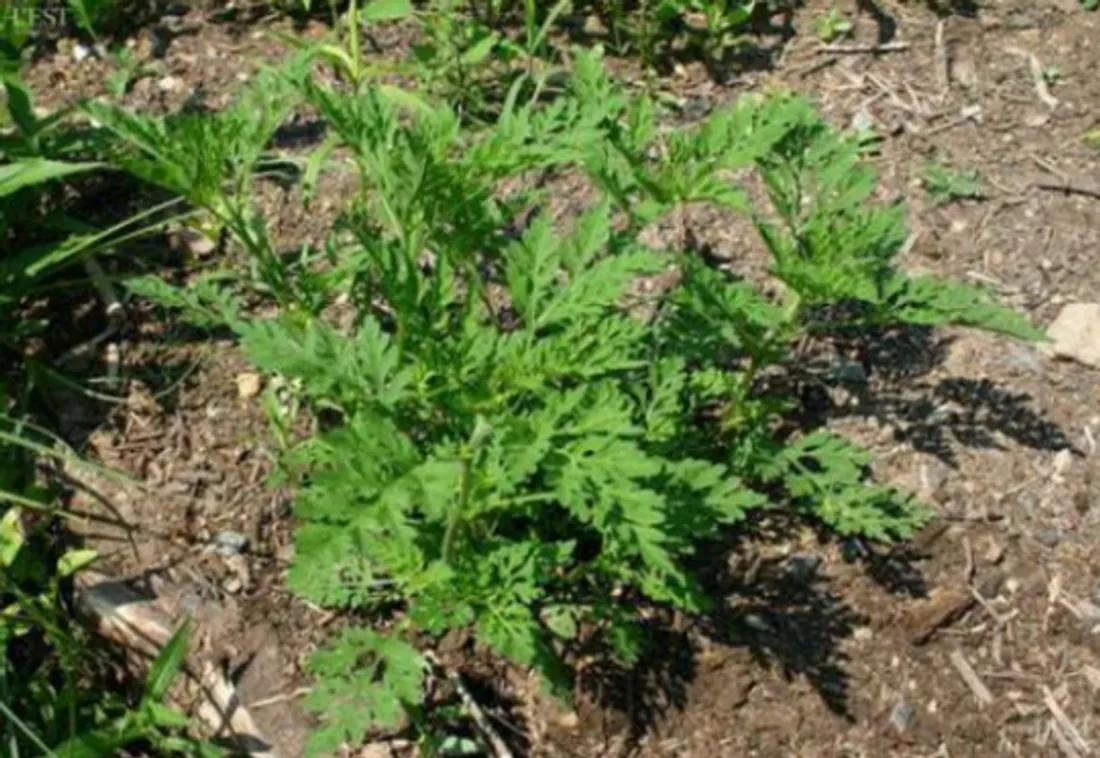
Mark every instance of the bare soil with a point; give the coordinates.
(821, 648)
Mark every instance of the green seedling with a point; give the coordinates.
(128, 69)
(945, 184)
(832, 25)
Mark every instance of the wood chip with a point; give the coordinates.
(970, 676)
(1063, 742)
(948, 604)
(1064, 724)
(941, 60)
(140, 625)
(886, 47)
(943, 608)
(930, 534)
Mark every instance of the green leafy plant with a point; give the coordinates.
(1090, 5)
(345, 52)
(832, 25)
(210, 160)
(128, 69)
(946, 184)
(517, 444)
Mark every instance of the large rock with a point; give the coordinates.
(1075, 334)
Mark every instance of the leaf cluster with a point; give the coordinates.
(516, 442)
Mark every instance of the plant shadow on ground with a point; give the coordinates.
(760, 41)
(779, 609)
(74, 351)
(931, 415)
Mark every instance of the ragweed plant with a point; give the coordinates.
(945, 184)
(515, 444)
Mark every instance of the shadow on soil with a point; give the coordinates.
(779, 609)
(936, 415)
(776, 609)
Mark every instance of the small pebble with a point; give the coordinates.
(1023, 358)
(1049, 537)
(902, 716)
(229, 543)
(82, 52)
(849, 372)
(851, 550)
(233, 585)
(863, 634)
(862, 120)
(248, 385)
(803, 567)
(189, 603)
(757, 622)
(169, 84)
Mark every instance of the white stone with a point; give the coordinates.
(1075, 334)
(248, 385)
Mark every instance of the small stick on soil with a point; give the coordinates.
(941, 61)
(968, 552)
(970, 676)
(281, 698)
(886, 47)
(111, 304)
(1041, 83)
(910, 243)
(813, 67)
(1066, 726)
(498, 746)
(1070, 188)
(1046, 165)
(1037, 78)
(969, 113)
(119, 614)
(1063, 743)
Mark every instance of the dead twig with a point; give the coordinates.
(281, 698)
(1038, 80)
(1063, 743)
(1070, 188)
(496, 744)
(969, 113)
(1046, 165)
(1065, 725)
(968, 553)
(942, 73)
(814, 66)
(971, 678)
(849, 49)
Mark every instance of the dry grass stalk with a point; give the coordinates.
(970, 676)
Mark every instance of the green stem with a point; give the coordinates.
(456, 513)
(353, 42)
